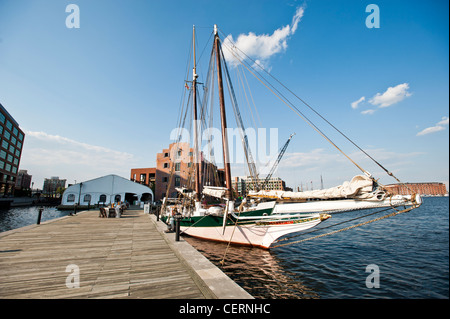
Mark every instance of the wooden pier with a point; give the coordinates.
(127, 257)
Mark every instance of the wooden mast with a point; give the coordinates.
(194, 97)
(223, 118)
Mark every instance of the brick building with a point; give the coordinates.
(23, 180)
(432, 189)
(181, 159)
(53, 185)
(144, 176)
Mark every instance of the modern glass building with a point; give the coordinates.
(11, 143)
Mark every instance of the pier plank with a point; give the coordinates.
(117, 258)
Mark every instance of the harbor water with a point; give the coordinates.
(410, 251)
(17, 217)
(409, 254)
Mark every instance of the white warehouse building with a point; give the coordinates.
(106, 190)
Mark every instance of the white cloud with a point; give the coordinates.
(368, 112)
(391, 96)
(261, 47)
(433, 129)
(356, 103)
(47, 155)
(444, 121)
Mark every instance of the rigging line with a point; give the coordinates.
(229, 242)
(299, 113)
(333, 225)
(348, 228)
(253, 101)
(206, 45)
(241, 81)
(318, 114)
(172, 168)
(247, 152)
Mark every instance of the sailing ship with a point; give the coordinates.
(262, 217)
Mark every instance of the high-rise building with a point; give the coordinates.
(11, 143)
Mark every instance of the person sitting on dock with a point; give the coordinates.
(171, 223)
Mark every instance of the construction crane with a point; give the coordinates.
(280, 155)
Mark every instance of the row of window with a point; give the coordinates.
(177, 166)
(11, 148)
(87, 198)
(177, 180)
(166, 154)
(7, 135)
(10, 127)
(8, 167)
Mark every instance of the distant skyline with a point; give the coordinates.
(103, 98)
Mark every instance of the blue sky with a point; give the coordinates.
(104, 98)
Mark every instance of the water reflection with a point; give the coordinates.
(17, 217)
(257, 271)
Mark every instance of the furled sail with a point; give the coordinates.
(360, 187)
(214, 191)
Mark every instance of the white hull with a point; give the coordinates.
(257, 235)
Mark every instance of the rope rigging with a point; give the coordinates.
(208, 173)
(242, 61)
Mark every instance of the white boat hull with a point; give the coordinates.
(261, 234)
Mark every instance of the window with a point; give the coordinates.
(9, 124)
(3, 154)
(10, 158)
(117, 198)
(2, 118)
(7, 135)
(14, 170)
(8, 167)
(189, 164)
(11, 148)
(19, 144)
(166, 154)
(20, 136)
(166, 165)
(70, 198)
(177, 167)
(15, 131)
(177, 181)
(143, 176)
(13, 140)
(2, 165)
(5, 144)
(18, 153)
(165, 179)
(102, 198)
(87, 198)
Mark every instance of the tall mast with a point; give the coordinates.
(223, 118)
(194, 97)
